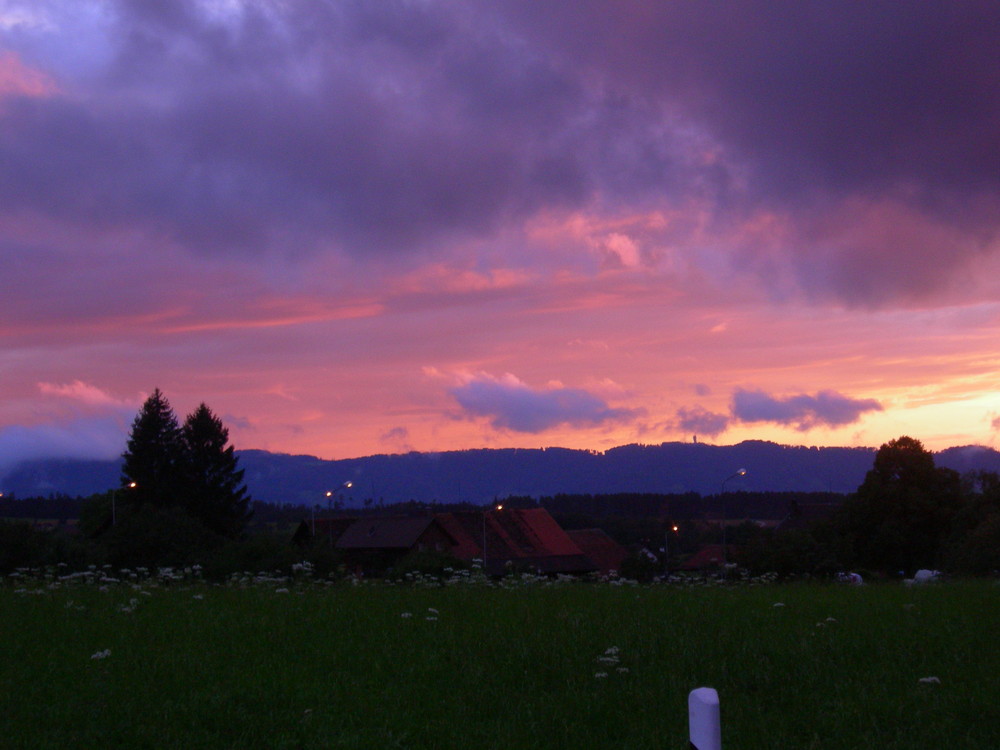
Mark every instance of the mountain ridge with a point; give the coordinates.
(480, 475)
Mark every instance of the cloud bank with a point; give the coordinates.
(807, 138)
(509, 404)
(802, 411)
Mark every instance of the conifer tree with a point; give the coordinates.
(214, 492)
(153, 455)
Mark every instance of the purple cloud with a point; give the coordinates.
(697, 420)
(511, 405)
(375, 128)
(826, 408)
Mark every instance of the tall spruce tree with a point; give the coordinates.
(154, 456)
(214, 492)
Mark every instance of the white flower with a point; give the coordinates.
(778, 604)
(430, 617)
(929, 681)
(406, 615)
(831, 619)
(622, 670)
(106, 653)
(433, 611)
(600, 675)
(281, 591)
(198, 596)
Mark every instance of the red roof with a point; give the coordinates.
(529, 536)
(602, 550)
(709, 556)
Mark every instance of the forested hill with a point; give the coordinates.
(480, 475)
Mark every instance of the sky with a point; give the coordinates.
(354, 228)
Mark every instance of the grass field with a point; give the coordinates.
(191, 665)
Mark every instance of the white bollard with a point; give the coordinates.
(703, 719)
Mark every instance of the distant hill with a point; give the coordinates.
(480, 475)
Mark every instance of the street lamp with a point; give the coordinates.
(666, 546)
(740, 473)
(498, 507)
(114, 495)
(329, 500)
(330, 493)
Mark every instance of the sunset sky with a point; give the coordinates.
(374, 227)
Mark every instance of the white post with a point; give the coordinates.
(703, 719)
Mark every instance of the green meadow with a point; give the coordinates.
(278, 664)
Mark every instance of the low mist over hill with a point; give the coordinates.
(480, 475)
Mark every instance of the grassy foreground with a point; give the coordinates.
(534, 666)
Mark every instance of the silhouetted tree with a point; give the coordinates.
(902, 512)
(154, 456)
(214, 492)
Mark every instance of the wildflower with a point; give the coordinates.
(929, 681)
(107, 652)
(622, 670)
(406, 615)
(831, 619)
(600, 675)
(432, 611)
(778, 604)
(198, 596)
(281, 591)
(430, 617)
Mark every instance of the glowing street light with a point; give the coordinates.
(329, 501)
(739, 473)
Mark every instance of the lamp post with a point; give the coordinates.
(114, 495)
(329, 501)
(725, 555)
(498, 507)
(330, 493)
(666, 547)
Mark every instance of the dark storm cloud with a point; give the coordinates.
(512, 405)
(390, 126)
(375, 125)
(873, 116)
(804, 412)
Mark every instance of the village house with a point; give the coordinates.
(506, 540)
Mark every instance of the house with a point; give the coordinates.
(606, 554)
(519, 539)
(394, 534)
(526, 539)
(709, 556)
(327, 529)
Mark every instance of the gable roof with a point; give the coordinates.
(322, 528)
(709, 556)
(601, 549)
(526, 536)
(384, 533)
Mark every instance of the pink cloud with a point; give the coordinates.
(17, 79)
(84, 393)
